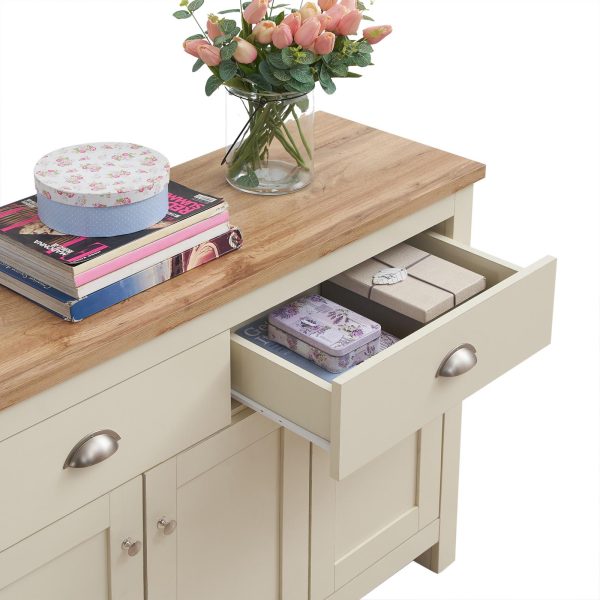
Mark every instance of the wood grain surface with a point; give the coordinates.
(365, 179)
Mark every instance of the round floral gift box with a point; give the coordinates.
(102, 190)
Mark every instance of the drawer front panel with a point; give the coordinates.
(377, 404)
(506, 324)
(157, 414)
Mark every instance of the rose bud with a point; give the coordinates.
(212, 27)
(349, 23)
(211, 55)
(375, 34)
(282, 36)
(293, 21)
(263, 32)
(336, 12)
(324, 43)
(326, 4)
(308, 32)
(325, 21)
(191, 46)
(349, 4)
(256, 11)
(309, 10)
(245, 53)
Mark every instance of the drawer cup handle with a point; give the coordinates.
(132, 548)
(459, 361)
(167, 527)
(93, 449)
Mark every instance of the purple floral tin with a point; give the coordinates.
(331, 336)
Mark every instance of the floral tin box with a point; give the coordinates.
(103, 189)
(331, 336)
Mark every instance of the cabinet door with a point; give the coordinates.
(359, 520)
(81, 555)
(241, 503)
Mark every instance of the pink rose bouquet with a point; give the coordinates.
(272, 49)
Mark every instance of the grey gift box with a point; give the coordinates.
(433, 286)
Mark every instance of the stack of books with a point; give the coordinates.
(75, 277)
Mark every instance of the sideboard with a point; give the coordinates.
(231, 473)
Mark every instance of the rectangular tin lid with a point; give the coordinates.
(325, 325)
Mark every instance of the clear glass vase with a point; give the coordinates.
(270, 141)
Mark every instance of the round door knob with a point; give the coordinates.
(459, 361)
(167, 527)
(132, 548)
(93, 449)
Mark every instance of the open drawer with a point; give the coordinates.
(373, 406)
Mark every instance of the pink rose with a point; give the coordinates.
(324, 43)
(376, 33)
(256, 11)
(282, 36)
(210, 55)
(349, 23)
(326, 4)
(308, 32)
(245, 53)
(212, 27)
(336, 12)
(293, 21)
(263, 32)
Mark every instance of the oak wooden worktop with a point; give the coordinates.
(365, 179)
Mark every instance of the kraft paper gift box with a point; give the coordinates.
(103, 189)
(432, 287)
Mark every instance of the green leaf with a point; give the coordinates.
(303, 104)
(362, 60)
(229, 10)
(197, 36)
(303, 88)
(338, 69)
(250, 180)
(287, 56)
(353, 75)
(306, 57)
(213, 83)
(365, 48)
(361, 5)
(227, 70)
(367, 18)
(227, 25)
(302, 74)
(195, 5)
(228, 51)
(182, 14)
(326, 82)
(197, 65)
(276, 61)
(279, 18)
(281, 75)
(265, 71)
(260, 82)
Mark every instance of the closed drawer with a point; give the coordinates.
(157, 413)
(364, 412)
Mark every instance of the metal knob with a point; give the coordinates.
(93, 449)
(459, 361)
(168, 527)
(131, 547)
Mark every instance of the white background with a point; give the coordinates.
(514, 84)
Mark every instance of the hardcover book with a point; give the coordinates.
(23, 234)
(73, 309)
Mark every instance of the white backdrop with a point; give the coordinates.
(514, 84)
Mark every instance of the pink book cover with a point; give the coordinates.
(150, 249)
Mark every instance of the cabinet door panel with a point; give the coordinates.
(80, 556)
(357, 521)
(241, 503)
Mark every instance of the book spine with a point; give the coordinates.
(149, 249)
(183, 262)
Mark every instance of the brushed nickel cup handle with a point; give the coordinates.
(93, 449)
(168, 527)
(459, 361)
(132, 548)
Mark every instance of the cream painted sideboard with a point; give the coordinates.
(297, 489)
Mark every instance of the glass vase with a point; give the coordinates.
(270, 141)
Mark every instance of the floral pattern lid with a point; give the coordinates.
(325, 325)
(101, 175)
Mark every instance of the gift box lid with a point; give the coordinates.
(101, 175)
(325, 325)
(431, 286)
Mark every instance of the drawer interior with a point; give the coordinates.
(493, 269)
